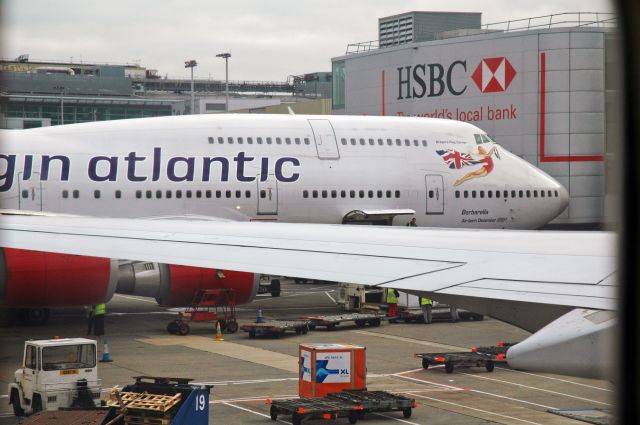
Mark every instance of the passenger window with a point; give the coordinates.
(207, 193)
(240, 141)
(76, 194)
(238, 194)
(158, 194)
(199, 192)
(306, 141)
(25, 193)
(380, 142)
(178, 194)
(506, 194)
(407, 142)
(268, 140)
(218, 194)
(520, 193)
(398, 142)
(227, 193)
(466, 193)
(344, 141)
(489, 194)
(96, 194)
(424, 143)
(314, 193)
(278, 141)
(297, 140)
(263, 193)
(287, 141)
(457, 193)
(370, 193)
(305, 193)
(361, 193)
(259, 140)
(388, 194)
(148, 194)
(362, 142)
(497, 193)
(230, 140)
(528, 194)
(220, 140)
(482, 193)
(513, 193)
(473, 193)
(556, 192)
(372, 142)
(250, 140)
(353, 142)
(210, 140)
(416, 143)
(379, 194)
(118, 194)
(167, 194)
(431, 194)
(352, 193)
(542, 193)
(138, 194)
(247, 194)
(65, 194)
(334, 194)
(389, 142)
(188, 193)
(324, 193)
(397, 193)
(535, 193)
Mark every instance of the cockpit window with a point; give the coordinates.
(478, 139)
(482, 138)
(487, 139)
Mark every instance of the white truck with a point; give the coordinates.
(56, 373)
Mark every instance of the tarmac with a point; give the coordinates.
(246, 372)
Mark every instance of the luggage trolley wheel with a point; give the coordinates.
(183, 329)
(353, 417)
(406, 412)
(296, 418)
(448, 367)
(232, 326)
(252, 334)
(360, 323)
(305, 329)
(489, 365)
(273, 412)
(374, 322)
(425, 363)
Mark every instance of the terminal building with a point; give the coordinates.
(544, 88)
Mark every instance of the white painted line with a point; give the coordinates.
(535, 388)
(513, 399)
(404, 421)
(477, 410)
(411, 340)
(330, 297)
(254, 412)
(424, 381)
(130, 297)
(556, 379)
(257, 398)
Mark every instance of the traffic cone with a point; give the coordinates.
(106, 358)
(218, 332)
(260, 318)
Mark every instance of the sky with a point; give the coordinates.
(268, 40)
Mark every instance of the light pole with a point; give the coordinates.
(61, 88)
(226, 57)
(192, 64)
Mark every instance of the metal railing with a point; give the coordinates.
(557, 20)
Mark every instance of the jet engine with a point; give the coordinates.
(173, 285)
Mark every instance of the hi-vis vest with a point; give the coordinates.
(391, 296)
(425, 301)
(100, 309)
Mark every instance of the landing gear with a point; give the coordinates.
(26, 316)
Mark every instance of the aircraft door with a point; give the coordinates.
(30, 193)
(434, 193)
(325, 139)
(267, 195)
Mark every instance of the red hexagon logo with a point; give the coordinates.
(493, 75)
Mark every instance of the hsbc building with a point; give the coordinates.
(544, 94)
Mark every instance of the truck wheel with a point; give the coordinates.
(448, 367)
(15, 402)
(425, 364)
(331, 326)
(374, 322)
(406, 412)
(273, 412)
(360, 323)
(489, 366)
(305, 329)
(232, 326)
(275, 288)
(183, 329)
(36, 405)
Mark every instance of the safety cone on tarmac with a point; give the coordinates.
(218, 332)
(260, 318)
(106, 358)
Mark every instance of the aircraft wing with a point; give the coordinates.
(541, 268)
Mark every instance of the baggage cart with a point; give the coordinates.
(463, 359)
(303, 409)
(496, 350)
(375, 401)
(208, 305)
(276, 328)
(331, 321)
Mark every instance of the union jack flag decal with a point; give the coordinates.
(456, 160)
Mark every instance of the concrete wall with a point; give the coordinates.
(541, 94)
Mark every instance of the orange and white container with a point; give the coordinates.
(327, 368)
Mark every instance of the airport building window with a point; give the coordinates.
(207, 193)
(457, 193)
(158, 194)
(148, 194)
(210, 140)
(138, 194)
(268, 140)
(352, 193)
(240, 140)
(314, 193)
(199, 192)
(230, 140)
(227, 194)
(324, 193)
(353, 142)
(334, 194)
(305, 193)
(250, 140)
(65, 194)
(188, 193)
(259, 140)
(168, 194)
(397, 193)
(278, 141)
(306, 141)
(118, 194)
(247, 194)
(361, 193)
(297, 140)
(178, 194)
(220, 140)
(96, 194)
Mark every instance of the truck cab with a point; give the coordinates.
(56, 373)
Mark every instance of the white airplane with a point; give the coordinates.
(314, 169)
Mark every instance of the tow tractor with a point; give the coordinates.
(56, 373)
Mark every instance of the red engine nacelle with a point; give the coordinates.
(173, 285)
(42, 279)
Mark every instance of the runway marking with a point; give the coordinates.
(412, 341)
(395, 419)
(229, 349)
(425, 381)
(535, 388)
(247, 381)
(513, 399)
(130, 297)
(257, 398)
(254, 412)
(477, 410)
(557, 379)
(330, 297)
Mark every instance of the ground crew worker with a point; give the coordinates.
(412, 223)
(98, 319)
(426, 305)
(392, 302)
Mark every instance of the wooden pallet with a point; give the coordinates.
(132, 419)
(142, 401)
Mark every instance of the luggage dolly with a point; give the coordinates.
(375, 401)
(276, 328)
(303, 409)
(463, 359)
(330, 322)
(496, 350)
